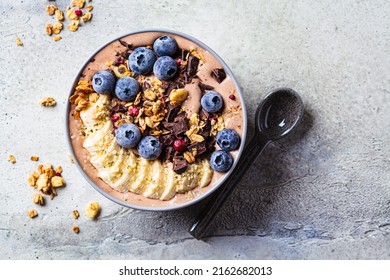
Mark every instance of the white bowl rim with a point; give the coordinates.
(218, 183)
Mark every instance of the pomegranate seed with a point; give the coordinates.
(178, 61)
(213, 118)
(179, 144)
(115, 118)
(58, 174)
(133, 111)
(78, 12)
(162, 99)
(232, 97)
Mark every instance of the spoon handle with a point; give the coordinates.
(251, 151)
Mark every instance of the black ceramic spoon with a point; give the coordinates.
(278, 114)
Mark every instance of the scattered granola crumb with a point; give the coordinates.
(70, 158)
(92, 210)
(58, 27)
(86, 17)
(89, 8)
(12, 159)
(76, 229)
(57, 38)
(38, 199)
(50, 9)
(59, 15)
(34, 158)
(78, 3)
(32, 213)
(74, 26)
(49, 29)
(18, 41)
(48, 101)
(75, 214)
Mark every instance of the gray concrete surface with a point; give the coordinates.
(323, 193)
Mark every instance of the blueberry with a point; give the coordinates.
(103, 82)
(211, 101)
(126, 88)
(165, 45)
(141, 61)
(128, 135)
(228, 139)
(149, 147)
(221, 161)
(165, 68)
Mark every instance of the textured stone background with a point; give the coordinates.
(323, 193)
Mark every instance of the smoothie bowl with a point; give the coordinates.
(155, 120)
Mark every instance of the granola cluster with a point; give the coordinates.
(74, 13)
(46, 179)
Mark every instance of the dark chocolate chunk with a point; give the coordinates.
(199, 147)
(184, 54)
(167, 140)
(203, 87)
(167, 154)
(192, 65)
(180, 127)
(205, 131)
(172, 112)
(119, 108)
(204, 115)
(179, 165)
(127, 45)
(218, 74)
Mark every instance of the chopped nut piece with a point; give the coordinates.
(49, 29)
(178, 95)
(189, 157)
(57, 38)
(89, 8)
(70, 158)
(18, 41)
(86, 17)
(50, 10)
(57, 181)
(48, 101)
(12, 159)
(32, 213)
(75, 214)
(76, 229)
(38, 199)
(59, 15)
(34, 158)
(74, 26)
(92, 210)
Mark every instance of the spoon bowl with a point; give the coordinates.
(277, 115)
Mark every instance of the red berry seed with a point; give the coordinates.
(179, 144)
(78, 12)
(115, 118)
(178, 61)
(162, 99)
(133, 111)
(57, 174)
(232, 97)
